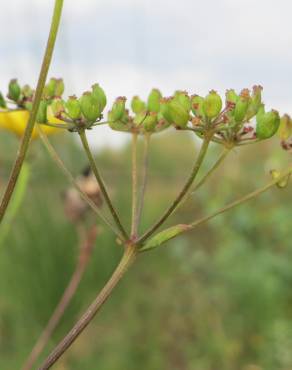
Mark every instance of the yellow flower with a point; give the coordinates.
(16, 122)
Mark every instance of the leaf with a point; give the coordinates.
(165, 235)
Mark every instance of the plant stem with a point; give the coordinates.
(85, 250)
(183, 192)
(254, 194)
(32, 118)
(221, 158)
(242, 199)
(56, 158)
(101, 184)
(127, 259)
(134, 226)
(16, 202)
(144, 176)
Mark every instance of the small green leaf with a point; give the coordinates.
(164, 236)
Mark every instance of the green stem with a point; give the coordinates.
(144, 177)
(182, 228)
(56, 158)
(134, 226)
(242, 199)
(183, 192)
(221, 158)
(16, 202)
(101, 184)
(32, 118)
(127, 259)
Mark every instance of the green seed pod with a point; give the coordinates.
(118, 110)
(2, 101)
(60, 87)
(153, 102)
(14, 90)
(285, 129)
(150, 122)
(212, 104)
(120, 124)
(73, 108)
(42, 112)
(241, 106)
(231, 96)
(89, 107)
(99, 94)
(57, 107)
(50, 88)
(255, 103)
(137, 105)
(139, 118)
(267, 124)
(178, 114)
(27, 92)
(282, 183)
(183, 98)
(164, 109)
(197, 105)
(28, 105)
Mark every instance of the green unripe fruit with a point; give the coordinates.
(50, 88)
(255, 103)
(183, 98)
(241, 106)
(89, 107)
(60, 87)
(2, 101)
(282, 183)
(57, 107)
(197, 105)
(267, 124)
(285, 129)
(178, 114)
(137, 105)
(99, 94)
(28, 105)
(231, 96)
(14, 90)
(164, 109)
(153, 102)
(118, 109)
(42, 112)
(139, 118)
(73, 108)
(27, 92)
(150, 122)
(212, 104)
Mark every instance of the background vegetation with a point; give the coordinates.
(218, 298)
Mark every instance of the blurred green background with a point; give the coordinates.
(219, 297)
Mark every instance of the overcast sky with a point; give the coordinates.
(130, 46)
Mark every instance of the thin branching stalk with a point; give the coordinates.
(56, 158)
(187, 227)
(126, 261)
(219, 161)
(243, 199)
(101, 184)
(32, 118)
(183, 192)
(134, 225)
(144, 177)
(16, 202)
(85, 251)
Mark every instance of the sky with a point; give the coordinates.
(131, 46)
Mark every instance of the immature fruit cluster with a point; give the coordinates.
(230, 124)
(147, 116)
